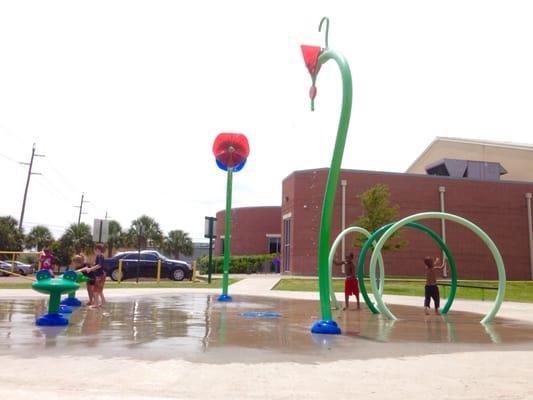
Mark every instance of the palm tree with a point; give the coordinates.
(11, 237)
(148, 229)
(39, 237)
(116, 237)
(178, 242)
(78, 238)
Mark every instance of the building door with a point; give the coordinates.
(286, 244)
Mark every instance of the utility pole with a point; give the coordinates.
(30, 173)
(81, 207)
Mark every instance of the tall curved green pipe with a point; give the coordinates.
(372, 239)
(334, 246)
(333, 178)
(227, 232)
(450, 217)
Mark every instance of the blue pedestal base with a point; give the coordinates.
(327, 327)
(71, 301)
(65, 309)
(54, 319)
(224, 297)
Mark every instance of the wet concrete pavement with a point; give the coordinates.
(195, 327)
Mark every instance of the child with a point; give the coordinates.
(78, 261)
(351, 284)
(99, 272)
(47, 260)
(431, 288)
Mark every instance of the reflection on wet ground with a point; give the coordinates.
(198, 328)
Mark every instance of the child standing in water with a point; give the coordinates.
(78, 262)
(351, 284)
(431, 288)
(99, 272)
(47, 260)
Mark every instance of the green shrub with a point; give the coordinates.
(239, 264)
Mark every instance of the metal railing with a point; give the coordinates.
(14, 254)
(482, 287)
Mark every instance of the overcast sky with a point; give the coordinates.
(125, 98)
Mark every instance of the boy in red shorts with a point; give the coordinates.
(351, 284)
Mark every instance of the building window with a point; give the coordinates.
(274, 243)
(221, 246)
(286, 244)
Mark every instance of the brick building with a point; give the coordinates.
(488, 183)
(255, 230)
(498, 207)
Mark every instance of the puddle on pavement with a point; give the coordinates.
(196, 327)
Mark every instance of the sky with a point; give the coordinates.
(125, 98)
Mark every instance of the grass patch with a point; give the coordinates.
(521, 291)
(129, 284)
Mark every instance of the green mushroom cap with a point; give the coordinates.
(48, 285)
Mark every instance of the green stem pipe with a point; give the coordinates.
(227, 232)
(53, 303)
(333, 179)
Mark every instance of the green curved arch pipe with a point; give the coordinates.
(371, 240)
(334, 246)
(450, 217)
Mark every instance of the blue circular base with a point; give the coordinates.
(51, 320)
(327, 327)
(256, 314)
(71, 301)
(65, 309)
(224, 297)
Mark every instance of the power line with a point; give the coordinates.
(62, 176)
(9, 158)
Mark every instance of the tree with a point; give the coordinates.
(11, 237)
(151, 232)
(116, 237)
(378, 211)
(178, 242)
(39, 237)
(77, 237)
(62, 251)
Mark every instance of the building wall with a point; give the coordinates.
(516, 159)
(250, 227)
(499, 208)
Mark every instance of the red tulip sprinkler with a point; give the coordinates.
(231, 151)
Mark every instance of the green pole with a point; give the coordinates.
(333, 179)
(53, 303)
(227, 232)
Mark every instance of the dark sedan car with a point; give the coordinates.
(146, 267)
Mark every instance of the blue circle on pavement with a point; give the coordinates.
(260, 315)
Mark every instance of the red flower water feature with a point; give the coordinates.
(311, 54)
(231, 149)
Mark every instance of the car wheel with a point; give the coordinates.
(115, 275)
(21, 272)
(178, 274)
